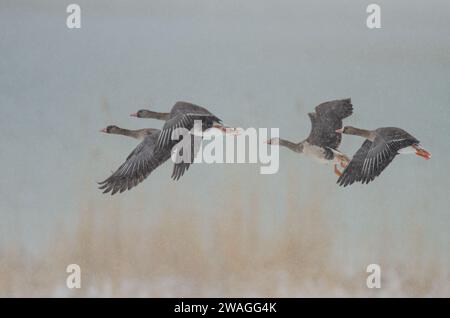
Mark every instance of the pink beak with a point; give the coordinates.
(423, 153)
(340, 131)
(134, 115)
(103, 130)
(227, 130)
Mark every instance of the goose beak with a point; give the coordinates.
(340, 131)
(233, 131)
(103, 130)
(423, 153)
(133, 114)
(273, 141)
(220, 127)
(227, 130)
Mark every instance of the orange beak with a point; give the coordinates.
(423, 153)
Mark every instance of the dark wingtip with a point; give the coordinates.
(349, 107)
(340, 183)
(175, 176)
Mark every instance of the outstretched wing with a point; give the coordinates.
(181, 167)
(381, 154)
(372, 158)
(138, 165)
(326, 119)
(352, 172)
(183, 115)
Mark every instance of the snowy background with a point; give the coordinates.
(222, 230)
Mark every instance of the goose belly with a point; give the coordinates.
(315, 152)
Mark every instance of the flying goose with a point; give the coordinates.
(157, 145)
(323, 140)
(376, 153)
(183, 115)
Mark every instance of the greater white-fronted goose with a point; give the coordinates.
(323, 140)
(377, 152)
(183, 115)
(136, 134)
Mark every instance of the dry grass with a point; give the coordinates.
(183, 253)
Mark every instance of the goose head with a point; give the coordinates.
(273, 141)
(111, 129)
(142, 113)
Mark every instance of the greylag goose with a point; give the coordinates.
(137, 133)
(377, 152)
(323, 140)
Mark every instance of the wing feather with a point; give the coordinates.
(138, 165)
(326, 119)
(372, 158)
